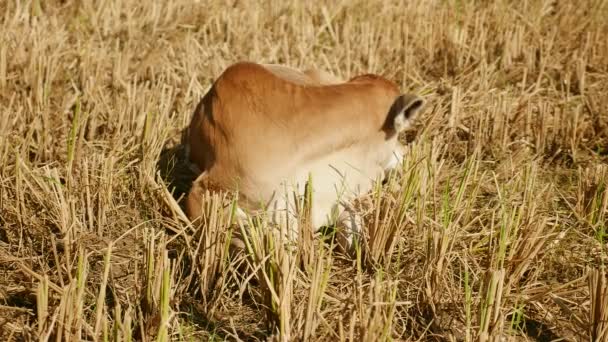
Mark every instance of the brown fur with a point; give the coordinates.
(261, 125)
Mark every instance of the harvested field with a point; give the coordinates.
(495, 228)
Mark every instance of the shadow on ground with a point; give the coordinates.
(175, 171)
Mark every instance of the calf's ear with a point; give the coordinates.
(402, 113)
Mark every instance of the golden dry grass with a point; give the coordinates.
(495, 228)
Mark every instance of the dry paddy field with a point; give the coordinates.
(495, 228)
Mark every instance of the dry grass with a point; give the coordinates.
(495, 227)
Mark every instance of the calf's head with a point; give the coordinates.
(400, 117)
